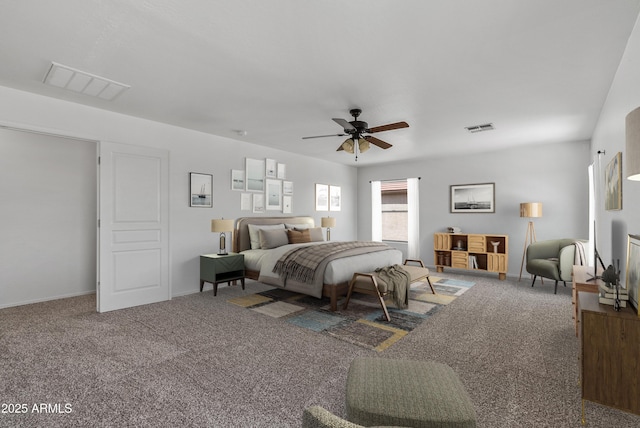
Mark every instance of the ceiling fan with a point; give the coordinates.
(357, 141)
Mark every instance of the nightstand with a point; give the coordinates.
(217, 268)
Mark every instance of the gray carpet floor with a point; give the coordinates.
(199, 361)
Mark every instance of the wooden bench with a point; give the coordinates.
(370, 283)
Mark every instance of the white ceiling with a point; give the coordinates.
(539, 70)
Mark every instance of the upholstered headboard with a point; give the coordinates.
(241, 241)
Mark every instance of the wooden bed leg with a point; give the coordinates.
(353, 280)
(334, 299)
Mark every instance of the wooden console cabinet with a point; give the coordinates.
(456, 250)
(610, 342)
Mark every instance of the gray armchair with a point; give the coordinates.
(552, 259)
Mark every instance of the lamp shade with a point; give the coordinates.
(221, 225)
(328, 222)
(531, 209)
(363, 145)
(347, 146)
(632, 155)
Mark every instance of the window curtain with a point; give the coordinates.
(592, 213)
(413, 218)
(376, 211)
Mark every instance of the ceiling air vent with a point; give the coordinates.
(85, 83)
(480, 128)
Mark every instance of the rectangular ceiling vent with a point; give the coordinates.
(480, 128)
(69, 78)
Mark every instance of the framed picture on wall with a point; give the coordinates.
(632, 277)
(274, 194)
(613, 184)
(322, 197)
(473, 198)
(271, 170)
(237, 179)
(287, 204)
(254, 169)
(335, 198)
(258, 202)
(282, 171)
(287, 187)
(200, 190)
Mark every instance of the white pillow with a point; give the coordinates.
(254, 234)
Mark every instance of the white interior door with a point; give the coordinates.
(133, 249)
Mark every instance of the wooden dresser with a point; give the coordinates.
(610, 354)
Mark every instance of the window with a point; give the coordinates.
(395, 211)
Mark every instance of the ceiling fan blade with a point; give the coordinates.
(345, 125)
(323, 136)
(388, 127)
(377, 142)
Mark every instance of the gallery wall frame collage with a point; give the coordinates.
(264, 186)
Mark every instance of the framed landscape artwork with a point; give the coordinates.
(613, 184)
(274, 194)
(200, 190)
(473, 198)
(255, 170)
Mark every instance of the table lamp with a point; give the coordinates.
(328, 222)
(221, 226)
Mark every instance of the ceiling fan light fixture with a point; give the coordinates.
(363, 145)
(347, 146)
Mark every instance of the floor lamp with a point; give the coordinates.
(529, 210)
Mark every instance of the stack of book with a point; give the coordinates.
(607, 295)
(473, 262)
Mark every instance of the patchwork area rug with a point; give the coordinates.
(363, 322)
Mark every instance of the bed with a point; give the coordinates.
(333, 273)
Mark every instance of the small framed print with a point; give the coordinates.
(200, 190)
(335, 198)
(245, 202)
(322, 197)
(287, 202)
(287, 187)
(274, 194)
(237, 179)
(282, 171)
(258, 202)
(271, 168)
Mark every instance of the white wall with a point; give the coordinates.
(609, 135)
(554, 174)
(190, 151)
(47, 217)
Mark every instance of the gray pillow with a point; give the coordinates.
(255, 237)
(273, 238)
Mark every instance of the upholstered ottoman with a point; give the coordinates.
(407, 393)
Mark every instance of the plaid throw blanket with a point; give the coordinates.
(301, 263)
